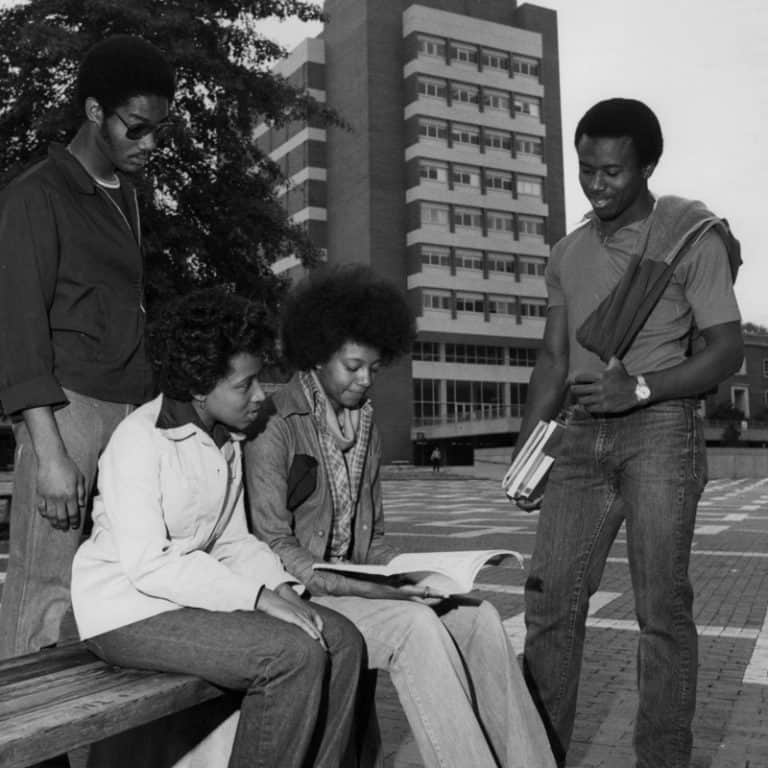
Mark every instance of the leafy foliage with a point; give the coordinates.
(210, 213)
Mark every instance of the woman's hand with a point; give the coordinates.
(378, 590)
(284, 604)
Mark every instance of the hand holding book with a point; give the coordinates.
(526, 476)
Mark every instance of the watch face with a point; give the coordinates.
(642, 392)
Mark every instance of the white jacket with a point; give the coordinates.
(169, 529)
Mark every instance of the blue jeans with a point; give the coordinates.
(646, 468)
(36, 592)
(299, 704)
(457, 679)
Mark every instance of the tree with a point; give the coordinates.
(210, 210)
(754, 328)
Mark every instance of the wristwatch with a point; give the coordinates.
(642, 390)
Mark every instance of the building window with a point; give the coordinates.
(528, 145)
(466, 259)
(465, 134)
(499, 180)
(426, 399)
(430, 88)
(521, 65)
(468, 217)
(429, 46)
(475, 400)
(429, 351)
(435, 256)
(466, 94)
(496, 60)
(470, 302)
(518, 394)
(533, 308)
(466, 176)
(532, 266)
(527, 105)
(431, 170)
(465, 54)
(497, 140)
(475, 354)
(530, 186)
(433, 130)
(437, 300)
(503, 263)
(498, 221)
(531, 227)
(433, 215)
(765, 368)
(496, 100)
(522, 356)
(502, 305)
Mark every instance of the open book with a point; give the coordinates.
(445, 573)
(532, 462)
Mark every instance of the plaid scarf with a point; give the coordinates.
(343, 463)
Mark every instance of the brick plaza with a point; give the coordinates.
(729, 568)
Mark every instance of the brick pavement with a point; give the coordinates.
(729, 569)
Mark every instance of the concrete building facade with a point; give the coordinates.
(449, 181)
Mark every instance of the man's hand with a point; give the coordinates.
(612, 391)
(286, 605)
(60, 491)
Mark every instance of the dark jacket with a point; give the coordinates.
(71, 289)
(289, 497)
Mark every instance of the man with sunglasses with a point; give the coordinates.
(72, 357)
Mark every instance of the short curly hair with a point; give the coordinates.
(614, 118)
(349, 303)
(194, 338)
(121, 67)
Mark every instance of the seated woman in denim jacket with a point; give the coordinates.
(172, 580)
(314, 492)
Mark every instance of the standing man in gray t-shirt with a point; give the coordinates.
(633, 450)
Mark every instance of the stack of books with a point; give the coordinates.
(529, 469)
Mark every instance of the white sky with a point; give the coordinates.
(702, 66)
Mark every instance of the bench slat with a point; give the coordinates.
(45, 712)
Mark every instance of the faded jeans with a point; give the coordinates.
(457, 679)
(646, 468)
(299, 704)
(36, 591)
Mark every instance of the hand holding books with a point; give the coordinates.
(526, 476)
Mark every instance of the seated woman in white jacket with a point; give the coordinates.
(172, 580)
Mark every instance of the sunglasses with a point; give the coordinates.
(137, 131)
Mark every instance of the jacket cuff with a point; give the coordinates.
(41, 391)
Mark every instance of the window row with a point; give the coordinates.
(476, 354)
(473, 136)
(453, 217)
(478, 57)
(489, 98)
(482, 179)
(467, 302)
(436, 400)
(482, 261)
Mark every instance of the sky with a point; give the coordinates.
(702, 66)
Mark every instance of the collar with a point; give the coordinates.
(71, 167)
(180, 420)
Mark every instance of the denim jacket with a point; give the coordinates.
(289, 497)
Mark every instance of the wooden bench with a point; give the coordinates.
(56, 700)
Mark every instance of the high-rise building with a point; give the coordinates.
(448, 179)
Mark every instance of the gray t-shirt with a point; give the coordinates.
(582, 271)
